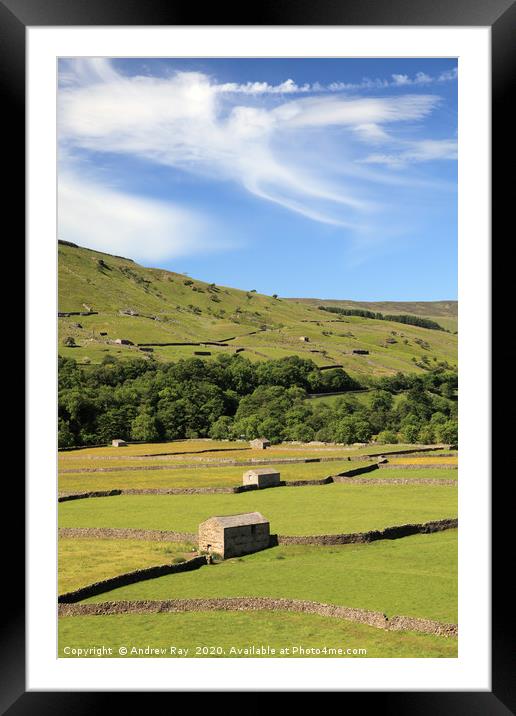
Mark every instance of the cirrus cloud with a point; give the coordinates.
(227, 132)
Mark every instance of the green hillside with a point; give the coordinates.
(119, 299)
(445, 313)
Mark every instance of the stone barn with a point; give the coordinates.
(262, 477)
(260, 444)
(118, 443)
(234, 535)
(305, 339)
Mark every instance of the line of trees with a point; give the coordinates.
(232, 398)
(398, 318)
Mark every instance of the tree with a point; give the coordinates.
(115, 423)
(65, 437)
(409, 433)
(287, 372)
(222, 429)
(351, 430)
(426, 435)
(382, 401)
(272, 429)
(144, 427)
(448, 432)
(69, 341)
(387, 437)
(302, 432)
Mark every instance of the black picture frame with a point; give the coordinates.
(500, 16)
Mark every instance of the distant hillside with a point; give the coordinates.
(443, 312)
(103, 298)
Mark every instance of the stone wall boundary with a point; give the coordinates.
(138, 575)
(395, 532)
(126, 533)
(346, 476)
(84, 495)
(415, 466)
(398, 481)
(374, 619)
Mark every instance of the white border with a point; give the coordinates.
(471, 671)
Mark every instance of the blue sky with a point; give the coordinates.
(329, 178)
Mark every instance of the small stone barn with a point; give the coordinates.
(234, 535)
(124, 342)
(118, 443)
(260, 444)
(305, 339)
(262, 477)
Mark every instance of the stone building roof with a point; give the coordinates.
(246, 518)
(263, 471)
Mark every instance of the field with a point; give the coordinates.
(241, 630)
(171, 308)
(413, 576)
(414, 473)
(209, 463)
(199, 477)
(83, 561)
(205, 449)
(443, 312)
(383, 576)
(292, 511)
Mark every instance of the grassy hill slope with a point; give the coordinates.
(445, 313)
(172, 308)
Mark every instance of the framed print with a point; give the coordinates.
(258, 254)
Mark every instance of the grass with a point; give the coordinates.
(414, 474)
(210, 459)
(198, 477)
(195, 312)
(305, 510)
(83, 561)
(219, 449)
(415, 576)
(175, 447)
(211, 452)
(241, 630)
(445, 460)
(437, 310)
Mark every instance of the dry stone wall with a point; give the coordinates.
(126, 533)
(395, 532)
(138, 575)
(363, 616)
(416, 466)
(84, 495)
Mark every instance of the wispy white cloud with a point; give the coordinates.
(419, 151)
(291, 87)
(101, 217)
(188, 121)
(287, 87)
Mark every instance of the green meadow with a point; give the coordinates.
(414, 473)
(308, 510)
(83, 561)
(196, 477)
(241, 630)
(382, 576)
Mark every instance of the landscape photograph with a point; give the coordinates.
(257, 425)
